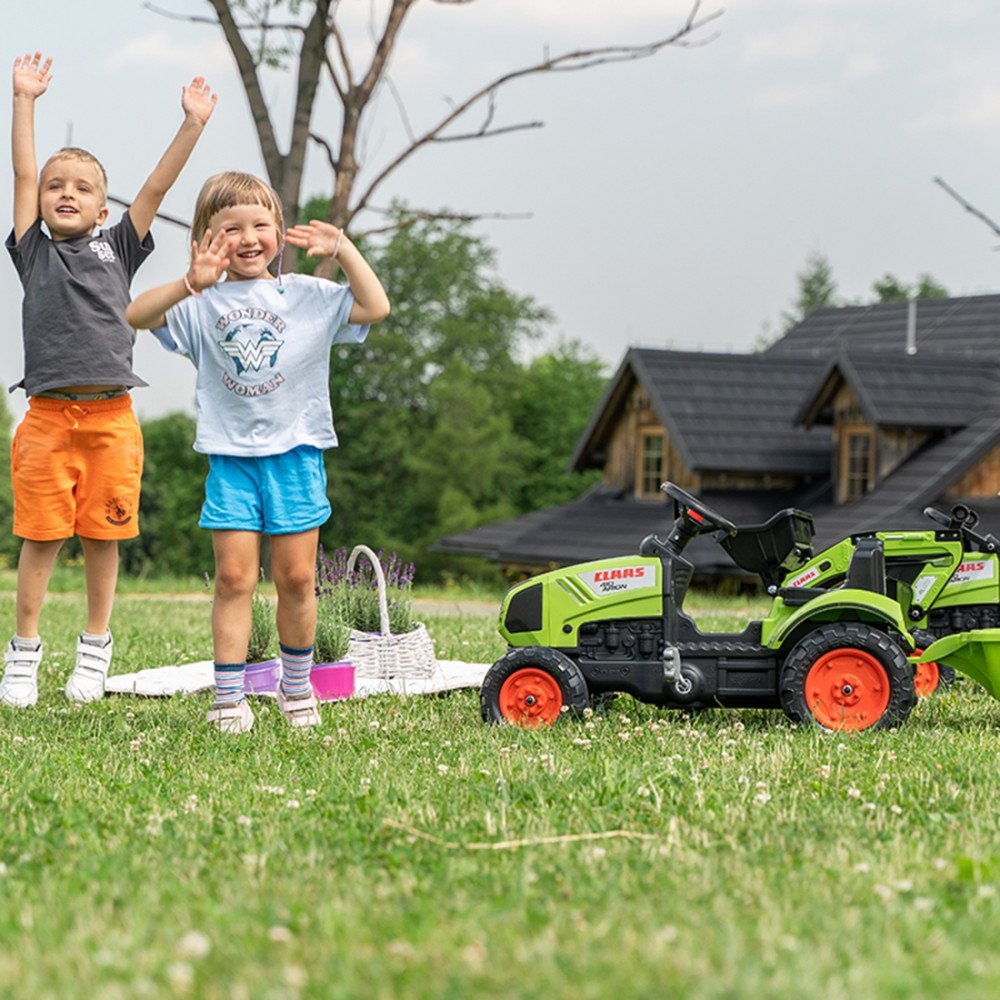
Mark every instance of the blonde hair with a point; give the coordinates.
(81, 156)
(233, 188)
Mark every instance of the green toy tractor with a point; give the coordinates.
(836, 648)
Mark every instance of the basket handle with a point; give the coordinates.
(383, 605)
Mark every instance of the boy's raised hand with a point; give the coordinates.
(198, 101)
(31, 75)
(209, 260)
(318, 239)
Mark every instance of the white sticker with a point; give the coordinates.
(920, 588)
(801, 581)
(617, 579)
(975, 569)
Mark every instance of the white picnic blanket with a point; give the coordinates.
(162, 682)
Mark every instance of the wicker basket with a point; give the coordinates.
(383, 655)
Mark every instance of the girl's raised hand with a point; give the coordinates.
(209, 260)
(318, 239)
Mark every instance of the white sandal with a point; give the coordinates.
(231, 717)
(302, 712)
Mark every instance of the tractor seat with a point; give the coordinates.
(775, 548)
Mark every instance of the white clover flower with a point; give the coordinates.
(279, 934)
(896, 810)
(854, 793)
(194, 944)
(443, 769)
(244, 821)
(292, 803)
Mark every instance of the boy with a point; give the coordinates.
(77, 455)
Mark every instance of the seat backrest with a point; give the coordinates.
(775, 548)
(866, 570)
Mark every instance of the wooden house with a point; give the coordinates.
(861, 415)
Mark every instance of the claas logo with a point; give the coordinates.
(628, 573)
(971, 567)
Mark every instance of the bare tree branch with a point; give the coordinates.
(323, 52)
(195, 19)
(410, 218)
(172, 219)
(580, 59)
(969, 208)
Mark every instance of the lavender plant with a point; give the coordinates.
(356, 593)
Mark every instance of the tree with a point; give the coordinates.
(173, 487)
(450, 342)
(891, 289)
(554, 400)
(816, 289)
(321, 56)
(9, 545)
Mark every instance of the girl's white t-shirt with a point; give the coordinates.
(262, 351)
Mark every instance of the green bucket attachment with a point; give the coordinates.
(975, 653)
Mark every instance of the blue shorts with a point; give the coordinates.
(272, 494)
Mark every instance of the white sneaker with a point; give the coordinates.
(301, 712)
(86, 683)
(231, 717)
(19, 687)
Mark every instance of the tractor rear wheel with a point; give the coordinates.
(847, 677)
(532, 686)
(930, 678)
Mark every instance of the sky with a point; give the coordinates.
(666, 202)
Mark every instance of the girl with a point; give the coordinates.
(261, 347)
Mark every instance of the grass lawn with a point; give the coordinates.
(406, 850)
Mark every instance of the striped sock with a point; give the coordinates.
(295, 667)
(229, 682)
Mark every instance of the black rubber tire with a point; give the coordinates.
(566, 674)
(850, 635)
(946, 674)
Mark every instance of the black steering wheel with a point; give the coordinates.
(697, 511)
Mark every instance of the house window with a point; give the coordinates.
(651, 465)
(856, 464)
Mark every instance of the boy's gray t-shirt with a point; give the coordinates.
(73, 315)
(263, 360)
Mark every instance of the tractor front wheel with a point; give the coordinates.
(847, 677)
(532, 686)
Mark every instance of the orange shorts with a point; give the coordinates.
(76, 469)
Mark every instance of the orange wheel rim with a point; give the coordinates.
(530, 697)
(847, 689)
(926, 677)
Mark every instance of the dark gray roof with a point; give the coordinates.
(899, 500)
(968, 325)
(729, 412)
(930, 389)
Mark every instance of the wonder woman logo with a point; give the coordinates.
(251, 347)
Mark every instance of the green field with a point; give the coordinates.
(407, 850)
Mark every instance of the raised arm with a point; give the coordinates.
(321, 239)
(198, 102)
(31, 80)
(209, 260)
